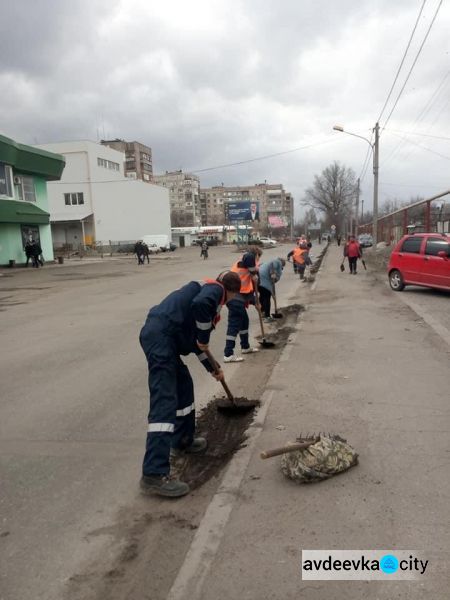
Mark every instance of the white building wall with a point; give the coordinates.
(123, 209)
(127, 211)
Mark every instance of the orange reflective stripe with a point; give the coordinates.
(245, 277)
(222, 302)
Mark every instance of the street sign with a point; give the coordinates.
(333, 228)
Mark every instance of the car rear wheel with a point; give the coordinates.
(396, 281)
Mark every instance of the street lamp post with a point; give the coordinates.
(375, 154)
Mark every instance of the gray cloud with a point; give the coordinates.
(211, 82)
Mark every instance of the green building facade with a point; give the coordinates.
(24, 172)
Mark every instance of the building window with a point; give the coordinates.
(6, 188)
(74, 199)
(25, 188)
(108, 164)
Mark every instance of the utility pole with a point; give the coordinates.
(357, 208)
(362, 209)
(375, 184)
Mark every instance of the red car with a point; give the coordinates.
(421, 259)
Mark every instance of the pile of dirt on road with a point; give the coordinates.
(318, 261)
(225, 434)
(377, 260)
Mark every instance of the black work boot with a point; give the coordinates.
(198, 446)
(163, 485)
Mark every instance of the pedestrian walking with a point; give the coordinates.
(269, 274)
(145, 253)
(339, 239)
(352, 250)
(139, 251)
(29, 252)
(180, 325)
(238, 321)
(204, 250)
(36, 252)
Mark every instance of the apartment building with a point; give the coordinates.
(276, 206)
(184, 194)
(138, 158)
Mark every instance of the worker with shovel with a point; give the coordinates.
(238, 321)
(181, 324)
(269, 274)
(300, 257)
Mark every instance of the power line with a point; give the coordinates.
(243, 162)
(425, 110)
(422, 146)
(414, 62)
(402, 61)
(436, 137)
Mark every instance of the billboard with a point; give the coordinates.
(243, 211)
(276, 221)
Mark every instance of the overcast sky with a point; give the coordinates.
(211, 82)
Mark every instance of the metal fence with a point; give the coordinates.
(422, 216)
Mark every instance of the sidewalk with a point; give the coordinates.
(362, 365)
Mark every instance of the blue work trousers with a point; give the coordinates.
(238, 324)
(171, 419)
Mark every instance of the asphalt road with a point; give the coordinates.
(74, 402)
(73, 420)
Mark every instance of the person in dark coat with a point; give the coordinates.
(36, 252)
(29, 252)
(139, 251)
(145, 253)
(181, 324)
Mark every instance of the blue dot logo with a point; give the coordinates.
(389, 564)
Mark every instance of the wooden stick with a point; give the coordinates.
(288, 448)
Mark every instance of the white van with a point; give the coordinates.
(161, 241)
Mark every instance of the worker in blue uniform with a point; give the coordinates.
(238, 321)
(181, 324)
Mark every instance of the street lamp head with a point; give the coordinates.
(338, 128)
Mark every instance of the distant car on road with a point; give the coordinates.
(420, 259)
(365, 240)
(153, 248)
(267, 242)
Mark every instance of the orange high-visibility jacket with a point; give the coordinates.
(299, 255)
(245, 277)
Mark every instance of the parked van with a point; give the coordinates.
(162, 241)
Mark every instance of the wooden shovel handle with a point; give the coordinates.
(215, 365)
(288, 448)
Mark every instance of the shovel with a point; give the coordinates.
(264, 343)
(276, 314)
(232, 405)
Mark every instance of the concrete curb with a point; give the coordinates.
(200, 556)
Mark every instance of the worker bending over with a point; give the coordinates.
(269, 274)
(181, 324)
